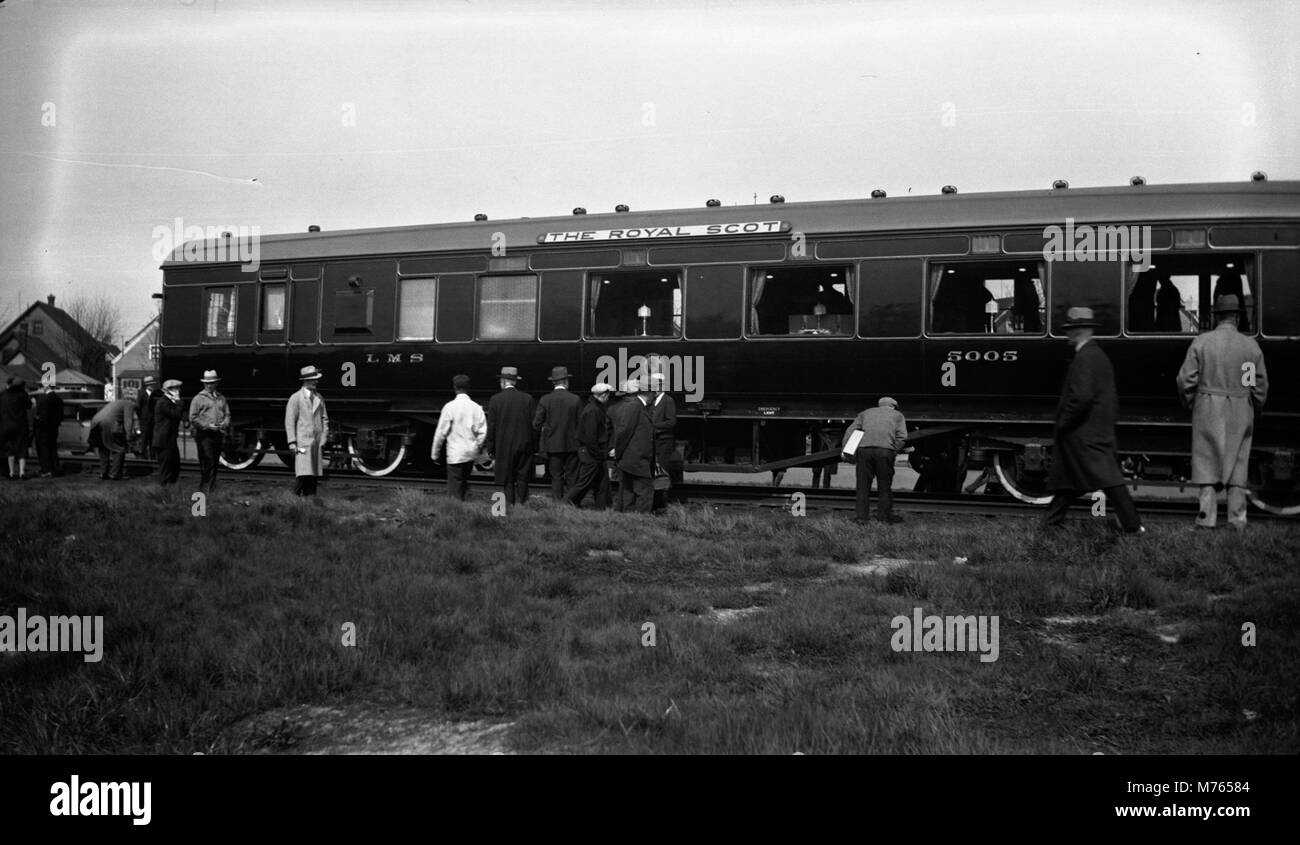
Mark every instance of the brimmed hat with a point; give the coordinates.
(887, 402)
(559, 373)
(1227, 302)
(172, 384)
(600, 387)
(150, 380)
(510, 373)
(1080, 317)
(210, 376)
(309, 372)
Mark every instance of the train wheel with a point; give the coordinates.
(1277, 499)
(360, 462)
(243, 460)
(1012, 481)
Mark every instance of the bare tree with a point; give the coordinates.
(101, 317)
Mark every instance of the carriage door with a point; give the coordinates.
(272, 302)
(304, 303)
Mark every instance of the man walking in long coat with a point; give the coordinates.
(167, 414)
(633, 449)
(1084, 453)
(307, 425)
(510, 437)
(1224, 382)
(110, 430)
(557, 420)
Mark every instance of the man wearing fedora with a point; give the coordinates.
(1084, 456)
(167, 415)
(557, 420)
(884, 435)
(210, 421)
(462, 426)
(1224, 382)
(633, 450)
(510, 437)
(307, 425)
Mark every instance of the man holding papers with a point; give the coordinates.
(873, 441)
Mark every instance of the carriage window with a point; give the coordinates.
(354, 311)
(644, 303)
(415, 309)
(1002, 297)
(219, 325)
(800, 301)
(1176, 294)
(273, 308)
(507, 308)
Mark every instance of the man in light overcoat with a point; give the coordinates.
(307, 425)
(1224, 382)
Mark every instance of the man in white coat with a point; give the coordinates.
(307, 425)
(1224, 382)
(462, 427)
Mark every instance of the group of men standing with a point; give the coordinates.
(582, 441)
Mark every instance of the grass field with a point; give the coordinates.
(224, 633)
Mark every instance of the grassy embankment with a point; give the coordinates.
(537, 618)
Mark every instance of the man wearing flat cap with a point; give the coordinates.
(167, 415)
(210, 421)
(510, 436)
(1084, 456)
(884, 435)
(1224, 382)
(593, 445)
(557, 420)
(307, 425)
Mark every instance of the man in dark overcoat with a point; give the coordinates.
(49, 416)
(147, 398)
(557, 420)
(1224, 382)
(167, 414)
(593, 446)
(510, 437)
(663, 415)
(1084, 453)
(633, 449)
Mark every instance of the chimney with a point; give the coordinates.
(50, 300)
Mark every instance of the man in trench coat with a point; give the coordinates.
(1224, 382)
(307, 425)
(1084, 454)
(510, 441)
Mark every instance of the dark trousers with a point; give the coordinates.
(208, 445)
(304, 485)
(1118, 497)
(563, 467)
(458, 479)
(875, 463)
(591, 478)
(111, 463)
(518, 472)
(169, 463)
(636, 492)
(47, 450)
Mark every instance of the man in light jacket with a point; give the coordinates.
(1224, 382)
(307, 425)
(462, 428)
(884, 435)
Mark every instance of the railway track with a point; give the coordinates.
(705, 494)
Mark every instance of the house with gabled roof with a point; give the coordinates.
(46, 334)
(138, 358)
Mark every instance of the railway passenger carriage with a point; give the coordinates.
(788, 317)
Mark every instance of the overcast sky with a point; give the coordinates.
(118, 117)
